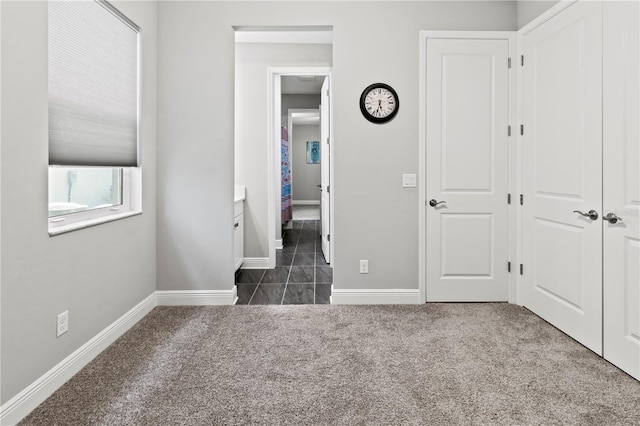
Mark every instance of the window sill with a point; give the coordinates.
(63, 229)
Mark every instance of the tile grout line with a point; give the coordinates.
(256, 289)
(291, 266)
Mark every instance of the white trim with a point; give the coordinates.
(255, 263)
(273, 151)
(305, 35)
(375, 297)
(305, 202)
(510, 36)
(33, 395)
(197, 297)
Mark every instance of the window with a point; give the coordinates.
(94, 126)
(73, 189)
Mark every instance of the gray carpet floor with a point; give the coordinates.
(434, 364)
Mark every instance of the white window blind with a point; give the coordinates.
(93, 85)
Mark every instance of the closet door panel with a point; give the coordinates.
(562, 173)
(621, 160)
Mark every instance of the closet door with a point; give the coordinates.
(562, 173)
(621, 159)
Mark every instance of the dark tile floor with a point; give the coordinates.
(301, 275)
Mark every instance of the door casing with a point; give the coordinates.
(274, 189)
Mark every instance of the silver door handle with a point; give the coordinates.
(434, 203)
(591, 214)
(612, 218)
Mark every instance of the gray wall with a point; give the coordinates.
(375, 218)
(297, 102)
(306, 177)
(530, 9)
(251, 127)
(97, 274)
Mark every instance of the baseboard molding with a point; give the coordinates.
(26, 401)
(279, 245)
(305, 202)
(197, 297)
(255, 263)
(375, 297)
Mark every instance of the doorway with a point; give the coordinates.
(291, 79)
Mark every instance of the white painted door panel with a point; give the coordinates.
(562, 159)
(324, 170)
(621, 160)
(467, 166)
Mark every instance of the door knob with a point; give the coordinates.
(434, 203)
(612, 218)
(591, 214)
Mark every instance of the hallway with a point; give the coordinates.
(301, 275)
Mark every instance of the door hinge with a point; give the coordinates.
(327, 92)
(508, 130)
(509, 62)
(327, 141)
(522, 130)
(521, 200)
(328, 189)
(508, 198)
(328, 237)
(521, 269)
(509, 267)
(522, 60)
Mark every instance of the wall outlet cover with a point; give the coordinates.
(62, 323)
(364, 266)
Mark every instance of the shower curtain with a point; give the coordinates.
(286, 178)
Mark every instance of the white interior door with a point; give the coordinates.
(621, 160)
(325, 181)
(562, 173)
(467, 96)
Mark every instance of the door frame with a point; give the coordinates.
(274, 189)
(514, 183)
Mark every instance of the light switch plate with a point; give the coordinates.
(409, 180)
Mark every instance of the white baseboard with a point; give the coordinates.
(305, 202)
(255, 263)
(375, 297)
(197, 297)
(279, 245)
(26, 401)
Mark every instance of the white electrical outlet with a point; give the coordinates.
(364, 266)
(63, 323)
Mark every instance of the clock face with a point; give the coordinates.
(379, 103)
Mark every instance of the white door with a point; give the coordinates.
(621, 160)
(467, 170)
(562, 172)
(325, 181)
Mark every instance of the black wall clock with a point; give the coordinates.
(379, 103)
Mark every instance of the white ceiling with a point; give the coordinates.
(303, 85)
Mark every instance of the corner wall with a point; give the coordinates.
(528, 10)
(98, 273)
